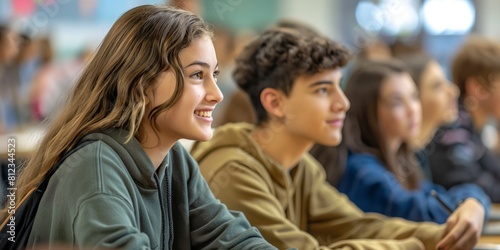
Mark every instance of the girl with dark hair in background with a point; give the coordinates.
(375, 165)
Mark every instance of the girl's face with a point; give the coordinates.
(438, 96)
(191, 116)
(399, 111)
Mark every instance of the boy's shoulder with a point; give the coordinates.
(225, 159)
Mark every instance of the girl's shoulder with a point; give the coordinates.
(361, 160)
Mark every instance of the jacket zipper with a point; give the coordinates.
(162, 212)
(169, 211)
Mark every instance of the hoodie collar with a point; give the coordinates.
(134, 157)
(239, 136)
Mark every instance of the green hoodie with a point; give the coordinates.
(297, 208)
(108, 195)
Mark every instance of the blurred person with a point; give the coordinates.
(17, 79)
(236, 107)
(439, 101)
(375, 49)
(9, 45)
(438, 96)
(264, 170)
(192, 6)
(55, 85)
(151, 82)
(43, 77)
(224, 44)
(380, 173)
(21, 74)
(458, 153)
(9, 48)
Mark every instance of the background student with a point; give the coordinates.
(380, 173)
(293, 81)
(459, 154)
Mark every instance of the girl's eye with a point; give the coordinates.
(396, 103)
(438, 85)
(216, 74)
(197, 75)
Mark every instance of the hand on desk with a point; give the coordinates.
(463, 227)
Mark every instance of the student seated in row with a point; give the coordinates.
(376, 165)
(265, 171)
(152, 82)
(459, 154)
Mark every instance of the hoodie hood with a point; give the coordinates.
(232, 135)
(237, 136)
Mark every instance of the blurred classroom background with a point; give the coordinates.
(56, 37)
(45, 44)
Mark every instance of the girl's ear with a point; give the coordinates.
(273, 102)
(149, 94)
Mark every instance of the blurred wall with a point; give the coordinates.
(323, 15)
(487, 18)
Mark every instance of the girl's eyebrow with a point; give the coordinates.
(202, 64)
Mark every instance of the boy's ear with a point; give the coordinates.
(470, 86)
(273, 102)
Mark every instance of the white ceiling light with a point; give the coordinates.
(393, 17)
(448, 17)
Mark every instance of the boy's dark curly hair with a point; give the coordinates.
(280, 55)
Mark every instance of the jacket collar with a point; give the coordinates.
(134, 157)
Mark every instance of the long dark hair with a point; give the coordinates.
(415, 65)
(361, 131)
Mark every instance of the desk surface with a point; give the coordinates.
(490, 239)
(490, 228)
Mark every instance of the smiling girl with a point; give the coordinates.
(151, 83)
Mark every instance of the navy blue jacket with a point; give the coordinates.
(374, 189)
(457, 155)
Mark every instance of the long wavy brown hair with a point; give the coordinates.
(110, 93)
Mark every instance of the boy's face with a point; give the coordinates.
(315, 108)
(493, 99)
(485, 95)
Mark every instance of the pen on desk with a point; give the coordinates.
(441, 202)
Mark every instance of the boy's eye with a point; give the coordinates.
(322, 91)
